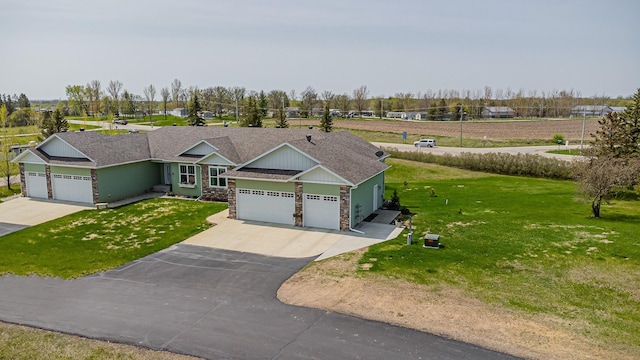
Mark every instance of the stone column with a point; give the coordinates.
(94, 185)
(23, 180)
(231, 198)
(47, 171)
(345, 205)
(298, 200)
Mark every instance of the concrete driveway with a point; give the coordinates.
(21, 212)
(215, 304)
(287, 241)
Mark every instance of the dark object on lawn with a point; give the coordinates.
(431, 241)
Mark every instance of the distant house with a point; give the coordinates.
(180, 112)
(500, 112)
(618, 109)
(419, 115)
(396, 114)
(207, 115)
(292, 112)
(591, 110)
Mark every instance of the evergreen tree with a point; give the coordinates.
(23, 101)
(262, 103)
(281, 120)
(53, 123)
(195, 109)
(443, 110)
(326, 123)
(254, 116)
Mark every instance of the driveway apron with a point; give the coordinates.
(213, 304)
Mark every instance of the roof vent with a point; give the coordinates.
(379, 153)
(310, 127)
(309, 137)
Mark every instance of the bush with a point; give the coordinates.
(496, 163)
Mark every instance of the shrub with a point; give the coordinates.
(496, 163)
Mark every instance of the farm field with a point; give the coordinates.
(498, 129)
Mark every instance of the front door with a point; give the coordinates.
(167, 174)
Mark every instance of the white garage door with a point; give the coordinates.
(321, 211)
(37, 185)
(72, 188)
(261, 205)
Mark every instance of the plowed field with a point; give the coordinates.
(543, 129)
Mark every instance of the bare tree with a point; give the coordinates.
(360, 97)
(176, 92)
(150, 95)
(309, 98)
(114, 89)
(328, 97)
(93, 92)
(237, 95)
(6, 145)
(342, 102)
(164, 93)
(221, 96)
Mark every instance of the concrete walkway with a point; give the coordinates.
(28, 211)
(287, 241)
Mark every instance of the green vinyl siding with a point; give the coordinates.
(363, 196)
(34, 167)
(265, 185)
(123, 181)
(321, 189)
(185, 190)
(70, 171)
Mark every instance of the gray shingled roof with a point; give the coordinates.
(343, 153)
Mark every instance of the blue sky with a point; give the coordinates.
(389, 46)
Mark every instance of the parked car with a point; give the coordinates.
(133, 131)
(425, 143)
(120, 121)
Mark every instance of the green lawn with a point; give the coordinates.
(522, 243)
(96, 240)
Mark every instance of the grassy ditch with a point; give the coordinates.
(91, 241)
(521, 243)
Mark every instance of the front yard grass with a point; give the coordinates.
(524, 244)
(91, 241)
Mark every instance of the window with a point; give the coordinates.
(214, 177)
(187, 175)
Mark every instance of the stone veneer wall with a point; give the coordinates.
(94, 185)
(231, 198)
(345, 204)
(23, 180)
(298, 209)
(47, 171)
(212, 193)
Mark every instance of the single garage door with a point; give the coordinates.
(72, 188)
(321, 211)
(37, 185)
(261, 205)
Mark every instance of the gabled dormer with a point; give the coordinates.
(283, 157)
(55, 147)
(199, 149)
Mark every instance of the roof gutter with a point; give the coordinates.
(350, 197)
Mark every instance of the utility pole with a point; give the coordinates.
(584, 120)
(236, 108)
(461, 113)
(381, 107)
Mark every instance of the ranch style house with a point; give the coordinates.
(288, 176)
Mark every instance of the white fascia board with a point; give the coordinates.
(293, 178)
(198, 143)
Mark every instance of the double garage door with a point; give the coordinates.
(65, 187)
(319, 211)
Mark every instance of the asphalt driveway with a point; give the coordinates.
(215, 304)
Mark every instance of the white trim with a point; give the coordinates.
(226, 180)
(320, 166)
(26, 153)
(195, 175)
(217, 154)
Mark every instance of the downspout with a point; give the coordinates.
(350, 197)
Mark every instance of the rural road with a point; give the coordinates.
(215, 304)
(441, 150)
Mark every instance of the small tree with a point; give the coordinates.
(54, 123)
(326, 123)
(281, 120)
(195, 108)
(254, 116)
(6, 145)
(394, 203)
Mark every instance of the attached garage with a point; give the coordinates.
(262, 205)
(36, 184)
(321, 211)
(74, 188)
